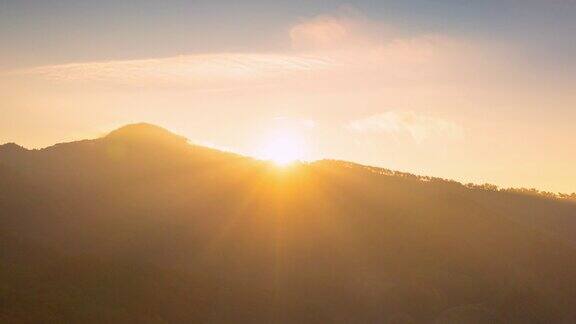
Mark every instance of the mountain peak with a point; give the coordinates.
(144, 132)
(11, 148)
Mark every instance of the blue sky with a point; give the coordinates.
(50, 31)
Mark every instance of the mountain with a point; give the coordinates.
(140, 226)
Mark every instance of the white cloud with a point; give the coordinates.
(209, 71)
(333, 50)
(321, 31)
(419, 127)
(345, 28)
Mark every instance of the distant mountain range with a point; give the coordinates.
(139, 226)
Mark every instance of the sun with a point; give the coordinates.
(282, 149)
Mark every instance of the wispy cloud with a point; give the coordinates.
(419, 127)
(198, 71)
(327, 49)
(345, 28)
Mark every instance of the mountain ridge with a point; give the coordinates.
(128, 231)
(143, 133)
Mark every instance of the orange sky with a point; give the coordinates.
(342, 84)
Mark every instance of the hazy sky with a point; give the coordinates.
(480, 91)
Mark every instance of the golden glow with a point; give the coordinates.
(282, 148)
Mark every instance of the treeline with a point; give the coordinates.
(473, 186)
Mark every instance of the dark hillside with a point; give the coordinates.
(140, 226)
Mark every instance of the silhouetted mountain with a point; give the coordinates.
(11, 148)
(145, 134)
(140, 226)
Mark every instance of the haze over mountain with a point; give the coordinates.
(140, 226)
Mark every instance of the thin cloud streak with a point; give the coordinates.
(419, 127)
(340, 49)
(203, 71)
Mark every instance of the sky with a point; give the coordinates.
(476, 91)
